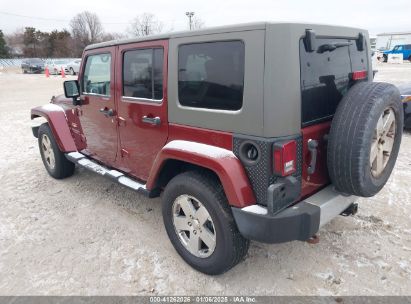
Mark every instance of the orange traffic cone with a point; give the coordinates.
(47, 72)
(63, 75)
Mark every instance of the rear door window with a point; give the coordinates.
(143, 74)
(211, 75)
(325, 76)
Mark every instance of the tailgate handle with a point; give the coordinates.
(312, 146)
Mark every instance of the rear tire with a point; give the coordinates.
(203, 191)
(72, 72)
(365, 138)
(54, 160)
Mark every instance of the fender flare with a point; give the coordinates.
(56, 118)
(221, 161)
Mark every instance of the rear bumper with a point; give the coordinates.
(299, 222)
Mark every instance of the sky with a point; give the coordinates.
(376, 16)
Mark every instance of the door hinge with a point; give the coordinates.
(312, 147)
(124, 152)
(121, 121)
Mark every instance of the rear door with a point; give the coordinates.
(97, 112)
(326, 75)
(142, 104)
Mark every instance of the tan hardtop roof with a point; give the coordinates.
(207, 31)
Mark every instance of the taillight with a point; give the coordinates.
(358, 75)
(285, 157)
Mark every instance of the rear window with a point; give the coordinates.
(211, 75)
(325, 76)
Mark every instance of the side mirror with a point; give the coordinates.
(71, 90)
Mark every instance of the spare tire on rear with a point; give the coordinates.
(365, 138)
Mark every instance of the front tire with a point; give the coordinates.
(54, 160)
(200, 225)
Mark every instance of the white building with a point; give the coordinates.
(386, 41)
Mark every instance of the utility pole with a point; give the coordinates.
(190, 17)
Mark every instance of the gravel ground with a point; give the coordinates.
(88, 236)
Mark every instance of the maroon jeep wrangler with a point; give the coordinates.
(259, 132)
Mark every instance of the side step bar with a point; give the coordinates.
(84, 161)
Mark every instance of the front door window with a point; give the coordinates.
(97, 76)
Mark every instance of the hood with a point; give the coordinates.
(61, 99)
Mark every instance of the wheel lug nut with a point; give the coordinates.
(195, 232)
(189, 224)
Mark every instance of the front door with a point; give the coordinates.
(97, 112)
(141, 80)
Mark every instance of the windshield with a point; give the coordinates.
(35, 60)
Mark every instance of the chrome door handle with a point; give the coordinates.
(151, 120)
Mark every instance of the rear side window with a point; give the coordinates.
(143, 74)
(408, 47)
(211, 75)
(97, 74)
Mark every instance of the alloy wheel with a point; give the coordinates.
(48, 151)
(382, 142)
(194, 226)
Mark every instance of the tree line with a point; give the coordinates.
(85, 28)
